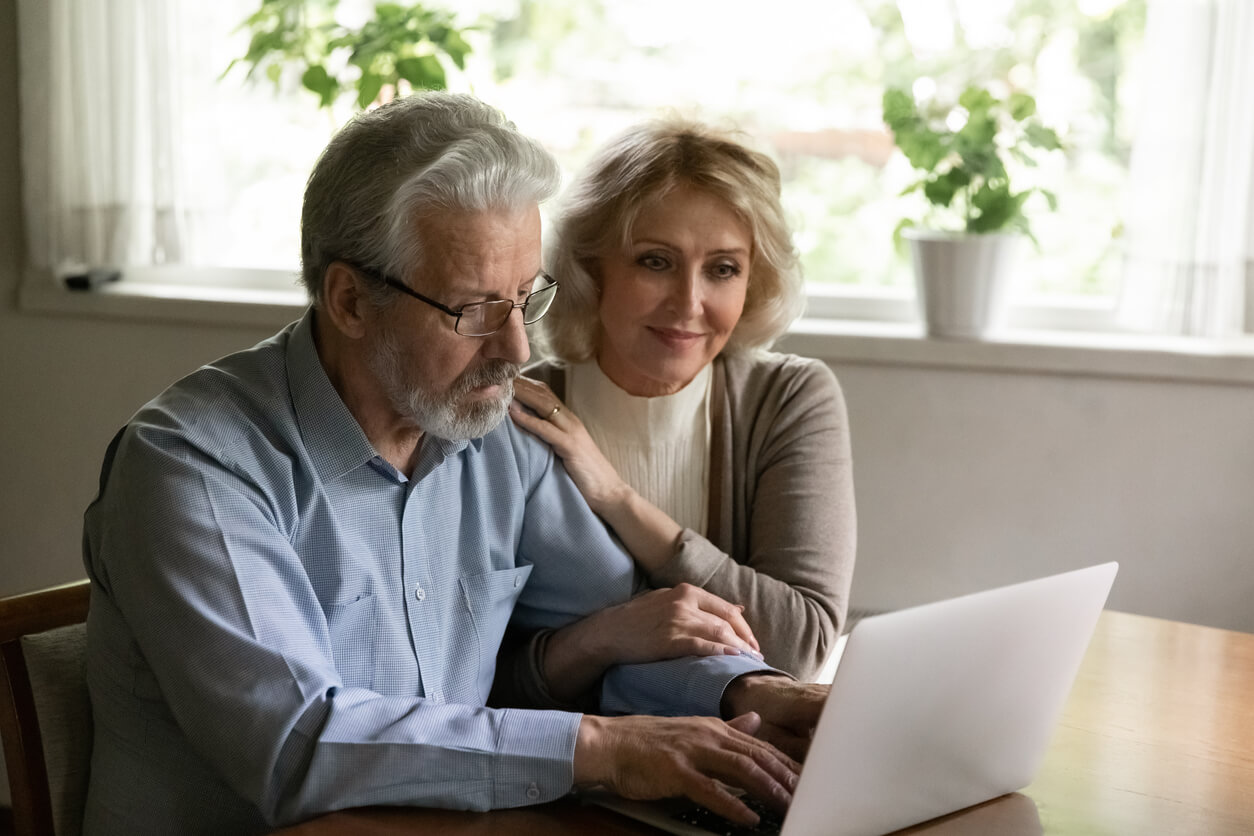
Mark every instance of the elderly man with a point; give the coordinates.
(304, 556)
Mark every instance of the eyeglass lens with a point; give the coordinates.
(483, 318)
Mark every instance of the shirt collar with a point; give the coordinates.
(333, 439)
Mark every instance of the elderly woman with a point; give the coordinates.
(721, 467)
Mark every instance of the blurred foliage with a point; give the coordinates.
(816, 69)
(843, 203)
(398, 43)
(962, 153)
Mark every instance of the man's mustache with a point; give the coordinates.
(491, 373)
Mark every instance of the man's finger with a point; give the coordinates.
(781, 768)
(779, 764)
(794, 745)
(756, 772)
(747, 723)
(713, 796)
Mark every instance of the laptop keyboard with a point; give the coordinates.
(769, 825)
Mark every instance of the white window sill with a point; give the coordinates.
(1086, 354)
(157, 302)
(835, 341)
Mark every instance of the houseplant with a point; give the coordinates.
(964, 246)
(396, 44)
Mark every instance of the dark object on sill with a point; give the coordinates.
(92, 279)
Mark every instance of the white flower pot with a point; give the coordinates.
(962, 280)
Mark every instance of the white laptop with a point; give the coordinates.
(933, 709)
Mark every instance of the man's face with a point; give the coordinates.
(449, 385)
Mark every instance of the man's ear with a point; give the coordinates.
(344, 300)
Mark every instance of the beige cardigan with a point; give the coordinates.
(782, 526)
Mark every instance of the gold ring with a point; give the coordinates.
(556, 410)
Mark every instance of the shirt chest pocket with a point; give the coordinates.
(490, 598)
(353, 627)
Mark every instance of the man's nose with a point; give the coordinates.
(510, 343)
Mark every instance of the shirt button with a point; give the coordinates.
(533, 792)
(420, 593)
(517, 581)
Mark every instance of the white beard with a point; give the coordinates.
(443, 414)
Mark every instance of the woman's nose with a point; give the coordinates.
(686, 294)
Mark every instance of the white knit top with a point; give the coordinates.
(660, 446)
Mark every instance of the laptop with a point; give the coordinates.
(932, 709)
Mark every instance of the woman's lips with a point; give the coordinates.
(676, 337)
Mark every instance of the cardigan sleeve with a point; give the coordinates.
(793, 501)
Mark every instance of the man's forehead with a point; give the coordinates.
(468, 249)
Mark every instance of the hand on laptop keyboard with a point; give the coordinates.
(646, 758)
(769, 824)
(789, 709)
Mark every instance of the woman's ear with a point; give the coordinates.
(344, 300)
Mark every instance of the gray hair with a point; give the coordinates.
(628, 175)
(418, 154)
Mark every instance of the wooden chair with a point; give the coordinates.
(45, 713)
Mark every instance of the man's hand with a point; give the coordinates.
(662, 757)
(789, 709)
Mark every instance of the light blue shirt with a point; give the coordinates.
(282, 624)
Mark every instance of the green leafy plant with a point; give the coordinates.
(962, 153)
(400, 42)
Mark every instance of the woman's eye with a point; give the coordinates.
(726, 270)
(653, 262)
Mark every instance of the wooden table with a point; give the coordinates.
(1157, 738)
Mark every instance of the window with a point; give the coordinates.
(804, 77)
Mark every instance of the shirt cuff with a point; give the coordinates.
(690, 686)
(535, 757)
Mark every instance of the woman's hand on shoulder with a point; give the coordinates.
(562, 430)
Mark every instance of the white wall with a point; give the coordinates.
(969, 479)
(964, 478)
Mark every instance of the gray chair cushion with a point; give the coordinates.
(55, 662)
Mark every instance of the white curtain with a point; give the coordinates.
(101, 130)
(1190, 218)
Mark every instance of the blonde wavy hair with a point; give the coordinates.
(644, 164)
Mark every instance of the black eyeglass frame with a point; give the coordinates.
(456, 313)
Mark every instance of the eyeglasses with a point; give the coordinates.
(479, 319)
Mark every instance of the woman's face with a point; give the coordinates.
(670, 301)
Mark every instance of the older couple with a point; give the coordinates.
(305, 555)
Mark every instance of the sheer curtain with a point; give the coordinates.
(1190, 220)
(101, 132)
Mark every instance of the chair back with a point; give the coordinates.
(45, 713)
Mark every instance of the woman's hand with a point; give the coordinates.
(562, 430)
(647, 531)
(661, 624)
(667, 623)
